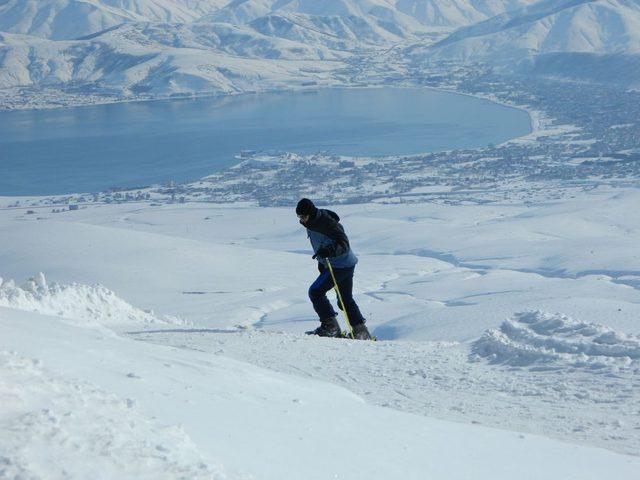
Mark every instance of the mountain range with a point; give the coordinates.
(70, 19)
(163, 47)
(577, 38)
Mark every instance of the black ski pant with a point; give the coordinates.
(324, 283)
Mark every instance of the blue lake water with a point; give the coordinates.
(89, 149)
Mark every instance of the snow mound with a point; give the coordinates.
(56, 428)
(541, 338)
(83, 304)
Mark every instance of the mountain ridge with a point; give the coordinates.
(72, 19)
(535, 38)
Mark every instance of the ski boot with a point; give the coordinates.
(360, 332)
(329, 327)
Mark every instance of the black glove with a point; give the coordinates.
(323, 252)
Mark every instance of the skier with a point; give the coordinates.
(329, 242)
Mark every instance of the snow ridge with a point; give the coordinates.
(82, 304)
(536, 337)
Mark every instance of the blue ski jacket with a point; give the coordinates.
(328, 239)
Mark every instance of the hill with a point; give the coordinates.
(69, 19)
(584, 39)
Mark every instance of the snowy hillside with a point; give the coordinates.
(71, 19)
(458, 13)
(563, 34)
(393, 15)
(135, 59)
(233, 40)
(377, 12)
(159, 333)
(144, 411)
(470, 378)
(335, 32)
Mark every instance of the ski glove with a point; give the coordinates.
(323, 252)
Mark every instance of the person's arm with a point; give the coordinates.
(335, 232)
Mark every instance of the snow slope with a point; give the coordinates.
(134, 60)
(428, 272)
(250, 420)
(443, 286)
(166, 274)
(456, 14)
(570, 401)
(393, 15)
(582, 31)
(380, 12)
(71, 19)
(336, 32)
(58, 427)
(244, 41)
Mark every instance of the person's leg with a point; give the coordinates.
(318, 295)
(344, 277)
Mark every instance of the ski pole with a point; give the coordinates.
(344, 307)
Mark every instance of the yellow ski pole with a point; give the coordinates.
(344, 307)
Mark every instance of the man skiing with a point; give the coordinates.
(330, 243)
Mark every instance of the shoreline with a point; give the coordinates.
(533, 126)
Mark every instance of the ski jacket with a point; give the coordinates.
(327, 236)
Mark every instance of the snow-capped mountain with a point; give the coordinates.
(336, 32)
(236, 40)
(147, 58)
(216, 46)
(592, 26)
(69, 19)
(390, 14)
(550, 35)
(454, 14)
(380, 13)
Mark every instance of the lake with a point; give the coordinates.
(90, 149)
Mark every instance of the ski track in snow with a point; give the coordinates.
(442, 380)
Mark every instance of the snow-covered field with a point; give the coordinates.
(165, 341)
(156, 339)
